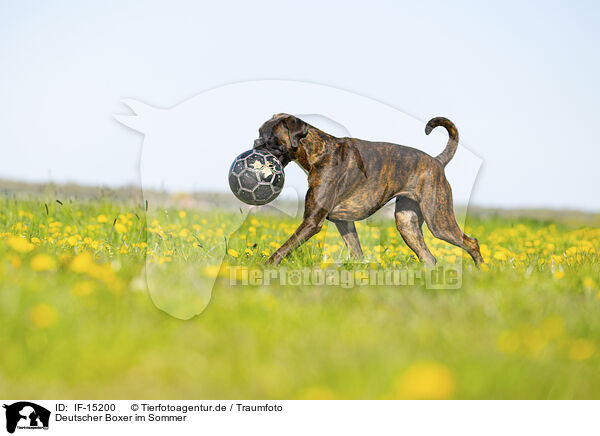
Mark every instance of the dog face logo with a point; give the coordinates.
(26, 415)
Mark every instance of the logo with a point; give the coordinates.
(26, 415)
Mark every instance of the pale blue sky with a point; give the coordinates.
(519, 80)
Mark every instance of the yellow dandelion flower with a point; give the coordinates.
(212, 271)
(571, 251)
(82, 262)
(581, 349)
(43, 316)
(42, 262)
(559, 274)
(233, 253)
(102, 218)
(499, 255)
(19, 244)
(317, 393)
(182, 214)
(426, 380)
(20, 227)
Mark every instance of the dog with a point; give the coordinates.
(350, 179)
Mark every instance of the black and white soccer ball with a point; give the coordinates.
(256, 177)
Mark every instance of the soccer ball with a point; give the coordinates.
(256, 177)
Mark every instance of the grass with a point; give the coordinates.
(78, 320)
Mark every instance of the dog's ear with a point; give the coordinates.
(297, 129)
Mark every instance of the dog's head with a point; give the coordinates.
(281, 136)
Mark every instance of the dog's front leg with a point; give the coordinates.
(318, 204)
(308, 228)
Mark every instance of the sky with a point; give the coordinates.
(519, 79)
(191, 146)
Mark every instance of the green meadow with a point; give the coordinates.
(78, 320)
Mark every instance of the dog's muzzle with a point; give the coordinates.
(280, 154)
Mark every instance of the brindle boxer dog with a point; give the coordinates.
(350, 179)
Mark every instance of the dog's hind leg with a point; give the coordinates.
(409, 221)
(348, 231)
(439, 215)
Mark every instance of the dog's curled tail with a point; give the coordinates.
(448, 153)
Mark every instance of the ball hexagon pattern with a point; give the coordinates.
(256, 177)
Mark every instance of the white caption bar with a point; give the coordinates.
(298, 417)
